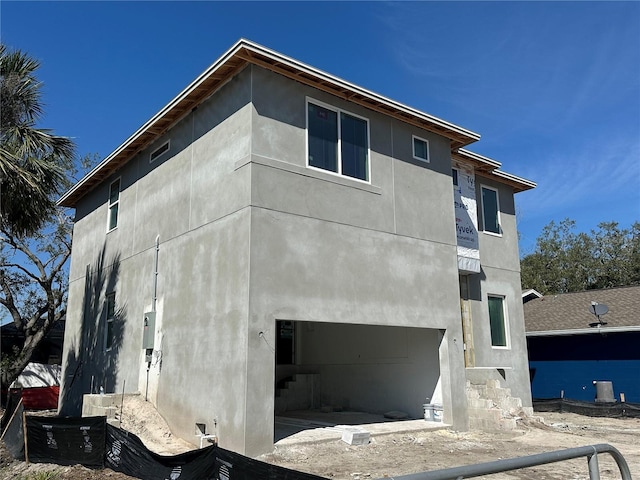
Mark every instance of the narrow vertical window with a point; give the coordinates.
(111, 314)
(497, 321)
(420, 149)
(490, 210)
(323, 138)
(454, 176)
(354, 146)
(114, 203)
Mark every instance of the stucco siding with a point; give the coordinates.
(513, 358)
(325, 271)
(204, 298)
(499, 251)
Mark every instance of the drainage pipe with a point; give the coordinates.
(155, 275)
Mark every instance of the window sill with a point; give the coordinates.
(421, 160)
(489, 368)
(309, 172)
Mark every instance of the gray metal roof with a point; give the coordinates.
(569, 313)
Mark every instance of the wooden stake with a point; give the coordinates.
(124, 382)
(11, 419)
(24, 431)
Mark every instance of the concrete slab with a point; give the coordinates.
(313, 426)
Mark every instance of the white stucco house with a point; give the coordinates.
(273, 220)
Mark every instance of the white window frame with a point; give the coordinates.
(484, 220)
(505, 319)
(110, 205)
(338, 112)
(109, 320)
(413, 149)
(166, 144)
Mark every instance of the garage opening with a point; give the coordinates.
(356, 373)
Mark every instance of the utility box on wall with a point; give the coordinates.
(149, 332)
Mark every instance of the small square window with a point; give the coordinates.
(420, 149)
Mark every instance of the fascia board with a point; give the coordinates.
(221, 61)
(464, 154)
(324, 76)
(582, 331)
(526, 184)
(239, 50)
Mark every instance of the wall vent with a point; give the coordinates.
(159, 151)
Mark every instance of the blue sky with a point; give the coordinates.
(552, 87)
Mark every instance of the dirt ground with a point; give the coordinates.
(393, 455)
(400, 454)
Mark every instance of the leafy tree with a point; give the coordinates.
(33, 161)
(33, 287)
(564, 261)
(35, 235)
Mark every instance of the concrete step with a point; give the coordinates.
(492, 407)
(476, 403)
(301, 393)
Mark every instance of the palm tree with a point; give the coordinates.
(33, 161)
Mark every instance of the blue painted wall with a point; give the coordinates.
(572, 363)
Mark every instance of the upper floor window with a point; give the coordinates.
(497, 320)
(111, 315)
(114, 202)
(420, 149)
(159, 151)
(454, 175)
(490, 210)
(337, 141)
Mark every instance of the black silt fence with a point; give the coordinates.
(91, 442)
(66, 441)
(127, 454)
(590, 409)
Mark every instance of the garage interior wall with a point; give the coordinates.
(368, 368)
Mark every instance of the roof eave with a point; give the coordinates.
(519, 184)
(582, 331)
(70, 198)
(491, 168)
(229, 64)
(479, 162)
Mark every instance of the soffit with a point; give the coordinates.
(234, 60)
(490, 168)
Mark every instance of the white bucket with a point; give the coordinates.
(432, 412)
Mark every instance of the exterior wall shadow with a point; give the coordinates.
(89, 364)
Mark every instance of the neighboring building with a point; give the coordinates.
(569, 348)
(530, 294)
(48, 351)
(274, 220)
(40, 379)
